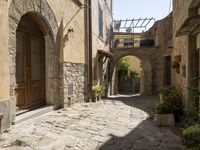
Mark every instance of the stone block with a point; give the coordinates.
(1, 117)
(164, 119)
(5, 110)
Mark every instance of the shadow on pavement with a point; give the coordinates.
(145, 103)
(146, 136)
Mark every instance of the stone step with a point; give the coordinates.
(33, 114)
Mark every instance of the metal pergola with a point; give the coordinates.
(129, 25)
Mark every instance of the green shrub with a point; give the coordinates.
(164, 108)
(192, 115)
(175, 65)
(172, 101)
(191, 137)
(194, 148)
(169, 92)
(99, 89)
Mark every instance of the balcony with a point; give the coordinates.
(132, 33)
(132, 40)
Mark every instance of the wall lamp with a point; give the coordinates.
(70, 32)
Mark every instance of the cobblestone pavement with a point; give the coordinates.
(120, 123)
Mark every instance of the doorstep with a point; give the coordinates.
(33, 114)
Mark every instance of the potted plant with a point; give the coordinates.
(169, 108)
(164, 115)
(163, 93)
(176, 66)
(98, 91)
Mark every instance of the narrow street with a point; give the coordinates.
(118, 123)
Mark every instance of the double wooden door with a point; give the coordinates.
(30, 79)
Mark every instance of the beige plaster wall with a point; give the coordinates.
(65, 10)
(4, 69)
(74, 47)
(99, 43)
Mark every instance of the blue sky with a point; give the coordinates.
(128, 9)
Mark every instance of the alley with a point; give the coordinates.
(116, 123)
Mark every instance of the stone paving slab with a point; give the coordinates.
(106, 125)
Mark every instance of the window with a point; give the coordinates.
(100, 22)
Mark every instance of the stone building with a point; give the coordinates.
(178, 41)
(178, 37)
(162, 29)
(155, 66)
(186, 46)
(46, 52)
(101, 30)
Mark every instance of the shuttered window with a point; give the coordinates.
(100, 21)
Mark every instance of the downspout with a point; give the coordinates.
(90, 77)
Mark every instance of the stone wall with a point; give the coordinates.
(147, 59)
(181, 46)
(162, 30)
(73, 83)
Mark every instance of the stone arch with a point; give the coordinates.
(43, 15)
(146, 79)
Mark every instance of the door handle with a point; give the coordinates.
(27, 68)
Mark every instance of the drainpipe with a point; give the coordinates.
(90, 77)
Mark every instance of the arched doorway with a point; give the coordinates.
(129, 73)
(44, 18)
(30, 64)
(146, 74)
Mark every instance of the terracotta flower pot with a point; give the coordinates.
(177, 70)
(177, 58)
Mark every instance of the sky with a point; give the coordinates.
(128, 9)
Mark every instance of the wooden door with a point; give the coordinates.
(167, 70)
(36, 75)
(21, 72)
(30, 79)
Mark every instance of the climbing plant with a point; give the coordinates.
(124, 71)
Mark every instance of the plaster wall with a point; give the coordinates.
(98, 42)
(4, 69)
